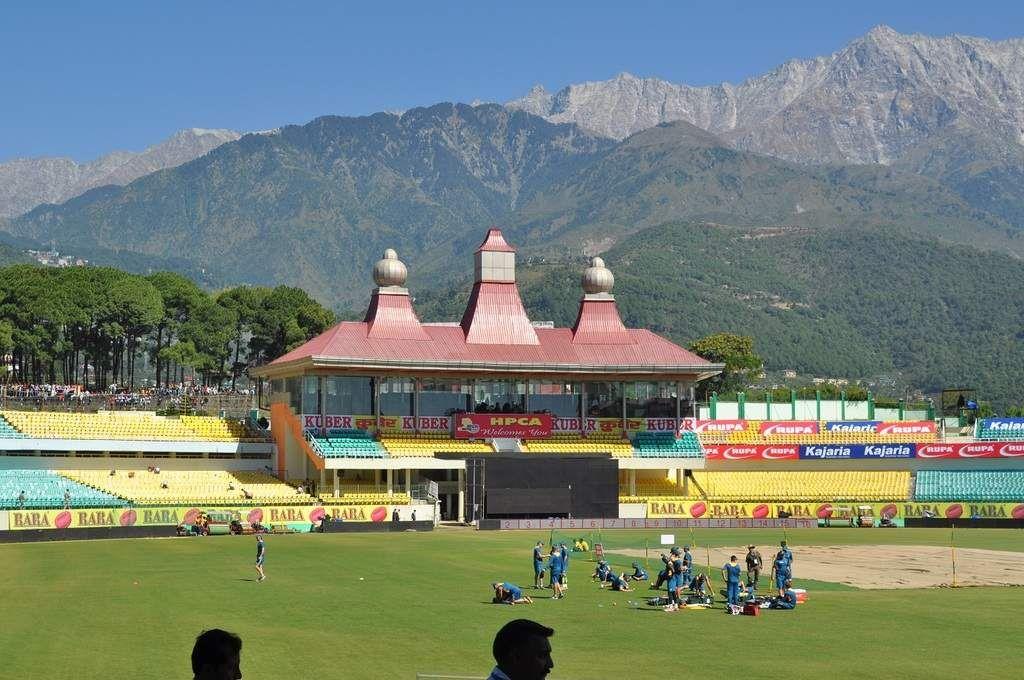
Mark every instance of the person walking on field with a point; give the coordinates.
(754, 563)
(731, 576)
(261, 553)
(538, 565)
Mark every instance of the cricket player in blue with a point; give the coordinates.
(555, 568)
(638, 573)
(601, 571)
(675, 580)
(619, 582)
(731, 576)
(687, 574)
(784, 551)
(563, 553)
(261, 554)
(781, 572)
(538, 565)
(788, 598)
(509, 593)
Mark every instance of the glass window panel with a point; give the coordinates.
(396, 396)
(604, 400)
(499, 396)
(349, 395)
(561, 399)
(443, 397)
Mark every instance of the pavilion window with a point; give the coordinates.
(604, 400)
(311, 395)
(499, 396)
(557, 397)
(444, 397)
(650, 399)
(397, 396)
(293, 386)
(348, 395)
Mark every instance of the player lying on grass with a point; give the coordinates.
(618, 582)
(509, 593)
(639, 574)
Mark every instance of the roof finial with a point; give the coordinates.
(389, 270)
(597, 279)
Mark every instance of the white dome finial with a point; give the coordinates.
(389, 270)
(597, 279)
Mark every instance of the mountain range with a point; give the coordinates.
(900, 140)
(28, 182)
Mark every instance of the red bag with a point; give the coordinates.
(751, 609)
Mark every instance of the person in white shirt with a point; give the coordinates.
(522, 651)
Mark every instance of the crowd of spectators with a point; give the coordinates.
(77, 398)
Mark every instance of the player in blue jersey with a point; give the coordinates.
(538, 565)
(731, 576)
(261, 555)
(639, 574)
(619, 582)
(555, 573)
(509, 593)
(563, 553)
(781, 572)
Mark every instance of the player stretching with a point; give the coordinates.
(261, 553)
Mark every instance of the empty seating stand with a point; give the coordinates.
(348, 444)
(428, 446)
(192, 487)
(666, 445)
(786, 487)
(7, 431)
(126, 425)
(575, 445)
(45, 489)
(1005, 486)
(1000, 429)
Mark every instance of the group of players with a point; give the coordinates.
(676, 576)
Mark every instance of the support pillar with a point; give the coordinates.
(632, 482)
(462, 496)
(408, 482)
(679, 479)
(334, 474)
(686, 485)
(391, 481)
(376, 480)
(323, 480)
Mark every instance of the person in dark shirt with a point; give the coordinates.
(538, 565)
(639, 574)
(754, 564)
(261, 554)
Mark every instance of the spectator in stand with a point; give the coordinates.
(67, 499)
(21, 500)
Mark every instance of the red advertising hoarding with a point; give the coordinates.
(905, 427)
(720, 426)
(770, 428)
(502, 425)
(971, 450)
(752, 451)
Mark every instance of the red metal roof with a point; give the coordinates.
(495, 316)
(495, 242)
(599, 323)
(390, 315)
(349, 341)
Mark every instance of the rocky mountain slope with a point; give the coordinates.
(28, 182)
(873, 101)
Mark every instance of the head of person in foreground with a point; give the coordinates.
(217, 656)
(522, 650)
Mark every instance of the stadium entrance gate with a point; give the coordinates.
(500, 487)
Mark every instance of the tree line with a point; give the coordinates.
(91, 325)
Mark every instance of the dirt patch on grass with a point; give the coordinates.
(884, 566)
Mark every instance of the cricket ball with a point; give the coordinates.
(379, 514)
(191, 516)
(698, 510)
(954, 511)
(317, 515)
(128, 518)
(761, 511)
(1017, 512)
(890, 510)
(255, 516)
(824, 511)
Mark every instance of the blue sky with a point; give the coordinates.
(81, 79)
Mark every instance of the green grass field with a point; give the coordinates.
(131, 608)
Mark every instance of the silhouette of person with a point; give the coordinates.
(217, 656)
(522, 651)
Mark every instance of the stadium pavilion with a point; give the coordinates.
(393, 401)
